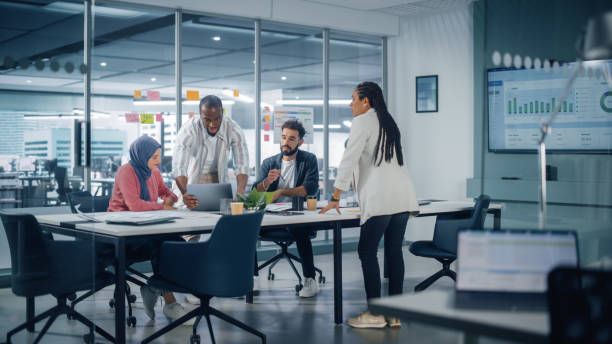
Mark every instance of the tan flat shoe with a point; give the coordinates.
(367, 320)
(394, 322)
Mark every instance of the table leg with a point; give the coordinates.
(120, 291)
(30, 308)
(497, 219)
(337, 273)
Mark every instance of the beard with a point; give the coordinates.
(289, 152)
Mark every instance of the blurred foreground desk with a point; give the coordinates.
(436, 308)
(202, 222)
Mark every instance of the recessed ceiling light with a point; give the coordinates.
(103, 64)
(283, 77)
(297, 97)
(153, 79)
(216, 38)
(29, 81)
(45, 59)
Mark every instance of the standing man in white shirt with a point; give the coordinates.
(203, 147)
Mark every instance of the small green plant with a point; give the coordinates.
(256, 200)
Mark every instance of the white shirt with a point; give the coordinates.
(210, 162)
(287, 178)
(382, 190)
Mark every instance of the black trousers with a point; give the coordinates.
(393, 228)
(304, 247)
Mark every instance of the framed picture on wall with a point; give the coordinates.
(427, 93)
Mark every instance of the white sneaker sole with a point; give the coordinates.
(381, 325)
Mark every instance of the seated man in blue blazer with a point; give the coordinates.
(290, 173)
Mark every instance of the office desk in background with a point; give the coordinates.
(436, 307)
(200, 222)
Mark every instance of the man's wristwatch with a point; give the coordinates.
(332, 199)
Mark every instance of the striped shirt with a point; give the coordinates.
(191, 150)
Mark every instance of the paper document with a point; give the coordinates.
(277, 207)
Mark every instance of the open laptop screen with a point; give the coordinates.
(512, 261)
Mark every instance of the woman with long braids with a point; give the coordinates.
(374, 162)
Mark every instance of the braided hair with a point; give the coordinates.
(389, 137)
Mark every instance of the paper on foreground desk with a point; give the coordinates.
(436, 307)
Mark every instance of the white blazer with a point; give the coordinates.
(382, 190)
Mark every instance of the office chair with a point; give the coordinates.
(221, 266)
(84, 202)
(443, 247)
(284, 239)
(62, 191)
(580, 306)
(41, 266)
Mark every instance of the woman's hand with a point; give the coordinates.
(190, 201)
(169, 204)
(331, 205)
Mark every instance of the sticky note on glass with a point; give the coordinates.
(266, 127)
(267, 118)
(137, 94)
(132, 118)
(224, 111)
(193, 95)
(236, 93)
(153, 95)
(146, 118)
(158, 117)
(266, 138)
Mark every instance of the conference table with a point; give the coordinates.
(189, 222)
(436, 307)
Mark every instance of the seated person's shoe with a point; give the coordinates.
(175, 310)
(192, 300)
(394, 322)
(310, 288)
(367, 320)
(149, 296)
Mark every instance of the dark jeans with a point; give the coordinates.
(393, 228)
(304, 247)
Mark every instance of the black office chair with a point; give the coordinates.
(62, 191)
(41, 266)
(580, 306)
(443, 247)
(284, 239)
(221, 266)
(84, 202)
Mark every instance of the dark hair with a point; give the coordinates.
(295, 125)
(388, 132)
(211, 101)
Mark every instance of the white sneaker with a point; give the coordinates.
(255, 285)
(149, 296)
(175, 310)
(192, 299)
(310, 288)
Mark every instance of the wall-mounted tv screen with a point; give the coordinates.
(520, 100)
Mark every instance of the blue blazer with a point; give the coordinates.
(306, 171)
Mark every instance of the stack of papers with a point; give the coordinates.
(131, 218)
(278, 207)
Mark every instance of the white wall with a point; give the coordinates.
(439, 146)
(292, 12)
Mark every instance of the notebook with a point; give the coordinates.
(508, 269)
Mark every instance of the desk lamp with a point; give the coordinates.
(596, 45)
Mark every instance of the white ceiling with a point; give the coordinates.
(396, 7)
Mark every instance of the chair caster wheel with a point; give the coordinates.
(270, 277)
(321, 279)
(298, 287)
(131, 298)
(195, 339)
(89, 338)
(111, 303)
(131, 321)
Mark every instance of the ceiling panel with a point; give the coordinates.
(243, 60)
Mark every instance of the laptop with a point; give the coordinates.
(209, 195)
(508, 270)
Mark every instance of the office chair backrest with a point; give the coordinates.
(580, 306)
(231, 256)
(84, 202)
(445, 231)
(29, 256)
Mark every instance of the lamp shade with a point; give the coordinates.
(598, 38)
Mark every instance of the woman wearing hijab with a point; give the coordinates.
(373, 160)
(138, 186)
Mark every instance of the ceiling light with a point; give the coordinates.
(283, 77)
(331, 126)
(216, 38)
(103, 64)
(29, 81)
(297, 97)
(347, 123)
(153, 79)
(45, 59)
